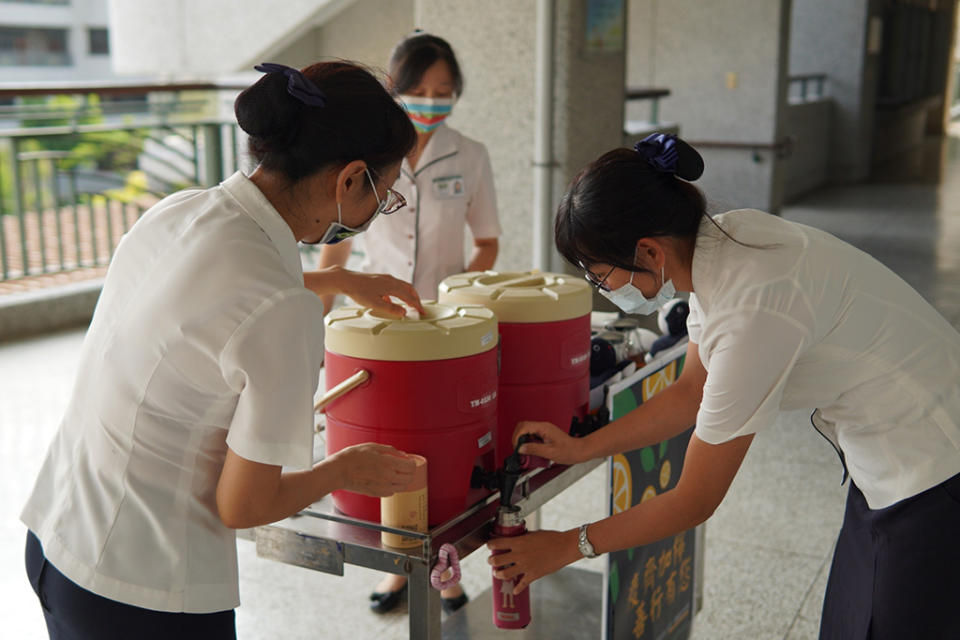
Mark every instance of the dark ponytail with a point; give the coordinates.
(358, 120)
(628, 194)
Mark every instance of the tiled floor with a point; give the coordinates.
(768, 545)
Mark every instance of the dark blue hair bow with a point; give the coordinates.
(297, 84)
(660, 150)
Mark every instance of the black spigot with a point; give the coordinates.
(505, 478)
(513, 468)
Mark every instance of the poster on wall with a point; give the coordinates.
(606, 21)
(650, 590)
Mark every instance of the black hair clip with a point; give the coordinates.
(298, 85)
(669, 154)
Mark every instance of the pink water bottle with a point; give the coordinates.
(510, 611)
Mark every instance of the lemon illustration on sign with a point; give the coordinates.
(648, 493)
(664, 474)
(657, 382)
(622, 484)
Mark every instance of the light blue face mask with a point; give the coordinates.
(631, 300)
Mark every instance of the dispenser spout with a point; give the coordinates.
(513, 467)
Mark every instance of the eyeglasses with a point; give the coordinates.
(391, 203)
(599, 283)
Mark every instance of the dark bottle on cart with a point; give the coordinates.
(510, 611)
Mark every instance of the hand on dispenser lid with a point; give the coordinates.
(373, 290)
(554, 444)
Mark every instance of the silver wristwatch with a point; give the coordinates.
(583, 544)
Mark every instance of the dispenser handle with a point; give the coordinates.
(344, 387)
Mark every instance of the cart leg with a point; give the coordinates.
(424, 604)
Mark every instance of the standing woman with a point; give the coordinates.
(447, 180)
(198, 372)
(782, 316)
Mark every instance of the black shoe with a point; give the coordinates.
(454, 604)
(386, 602)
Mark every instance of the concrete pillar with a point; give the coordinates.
(725, 64)
(835, 38)
(496, 46)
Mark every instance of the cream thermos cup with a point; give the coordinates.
(407, 510)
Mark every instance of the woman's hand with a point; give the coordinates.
(373, 469)
(374, 290)
(367, 289)
(533, 555)
(556, 445)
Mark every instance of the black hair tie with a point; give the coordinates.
(298, 85)
(667, 153)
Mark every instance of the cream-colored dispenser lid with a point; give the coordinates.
(521, 296)
(443, 332)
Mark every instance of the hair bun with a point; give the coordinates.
(667, 153)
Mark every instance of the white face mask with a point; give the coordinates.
(631, 300)
(337, 231)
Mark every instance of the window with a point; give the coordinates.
(33, 46)
(99, 41)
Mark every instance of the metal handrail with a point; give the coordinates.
(782, 147)
(653, 94)
(56, 215)
(112, 88)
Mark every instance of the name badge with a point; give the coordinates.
(449, 187)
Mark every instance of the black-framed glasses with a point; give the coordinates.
(391, 203)
(599, 283)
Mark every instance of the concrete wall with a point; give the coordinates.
(365, 32)
(497, 50)
(808, 125)
(497, 104)
(725, 64)
(45, 310)
(186, 38)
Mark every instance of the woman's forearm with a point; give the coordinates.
(484, 255)
(708, 471)
(267, 496)
(665, 415)
(666, 515)
(252, 493)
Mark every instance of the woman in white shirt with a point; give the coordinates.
(783, 316)
(447, 180)
(198, 371)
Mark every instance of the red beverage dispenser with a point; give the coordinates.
(432, 391)
(544, 344)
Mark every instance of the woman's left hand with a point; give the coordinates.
(372, 290)
(375, 289)
(533, 555)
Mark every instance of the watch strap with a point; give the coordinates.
(583, 543)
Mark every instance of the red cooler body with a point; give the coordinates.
(432, 391)
(544, 323)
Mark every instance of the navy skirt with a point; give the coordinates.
(896, 571)
(73, 613)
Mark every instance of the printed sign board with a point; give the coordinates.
(651, 591)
